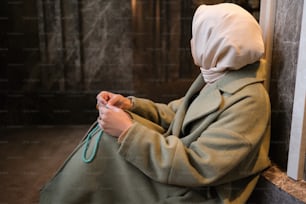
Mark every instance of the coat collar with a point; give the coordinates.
(210, 97)
(233, 81)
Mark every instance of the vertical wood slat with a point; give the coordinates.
(50, 37)
(71, 34)
(59, 24)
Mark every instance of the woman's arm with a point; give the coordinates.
(229, 149)
(161, 114)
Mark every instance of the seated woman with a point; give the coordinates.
(207, 147)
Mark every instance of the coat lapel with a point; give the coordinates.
(195, 88)
(204, 104)
(207, 102)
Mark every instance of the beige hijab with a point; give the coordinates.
(224, 37)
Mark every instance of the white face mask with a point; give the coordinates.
(224, 37)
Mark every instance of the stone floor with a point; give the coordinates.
(30, 156)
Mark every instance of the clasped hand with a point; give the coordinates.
(112, 117)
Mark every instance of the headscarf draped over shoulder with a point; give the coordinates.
(224, 37)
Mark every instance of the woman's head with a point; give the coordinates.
(224, 37)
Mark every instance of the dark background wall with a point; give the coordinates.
(59, 55)
(56, 55)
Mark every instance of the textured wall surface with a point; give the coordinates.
(62, 53)
(84, 44)
(283, 72)
(59, 54)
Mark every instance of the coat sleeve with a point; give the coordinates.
(225, 151)
(161, 114)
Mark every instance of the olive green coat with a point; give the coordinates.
(209, 147)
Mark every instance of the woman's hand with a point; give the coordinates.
(114, 121)
(108, 98)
